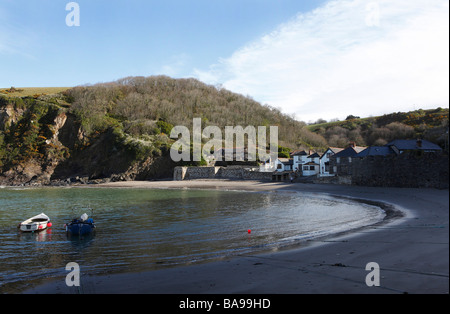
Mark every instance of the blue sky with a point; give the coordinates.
(313, 59)
(133, 37)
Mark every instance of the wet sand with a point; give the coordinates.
(411, 250)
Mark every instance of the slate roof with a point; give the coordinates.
(300, 153)
(414, 145)
(350, 151)
(376, 151)
(335, 150)
(286, 161)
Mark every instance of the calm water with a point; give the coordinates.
(142, 229)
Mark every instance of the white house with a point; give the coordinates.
(284, 164)
(312, 167)
(314, 158)
(299, 158)
(307, 163)
(324, 161)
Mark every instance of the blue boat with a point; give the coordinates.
(82, 226)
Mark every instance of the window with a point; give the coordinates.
(305, 168)
(338, 159)
(312, 168)
(280, 166)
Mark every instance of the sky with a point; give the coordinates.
(310, 58)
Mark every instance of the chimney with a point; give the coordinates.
(352, 144)
(419, 143)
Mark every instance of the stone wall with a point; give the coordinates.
(343, 180)
(341, 168)
(200, 173)
(232, 173)
(256, 175)
(406, 170)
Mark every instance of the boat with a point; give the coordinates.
(81, 226)
(36, 223)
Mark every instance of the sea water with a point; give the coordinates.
(145, 229)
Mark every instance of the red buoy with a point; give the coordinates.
(49, 225)
(249, 231)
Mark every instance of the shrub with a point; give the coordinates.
(284, 152)
(165, 127)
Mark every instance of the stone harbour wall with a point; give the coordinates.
(232, 173)
(409, 170)
(342, 180)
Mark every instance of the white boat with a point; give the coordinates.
(36, 223)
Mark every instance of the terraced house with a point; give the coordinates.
(341, 162)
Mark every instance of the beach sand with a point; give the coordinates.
(412, 252)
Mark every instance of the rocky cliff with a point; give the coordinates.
(43, 143)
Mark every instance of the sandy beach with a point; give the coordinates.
(412, 252)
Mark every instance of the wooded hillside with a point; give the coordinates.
(430, 125)
(140, 102)
(122, 128)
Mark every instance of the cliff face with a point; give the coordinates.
(105, 157)
(17, 127)
(42, 143)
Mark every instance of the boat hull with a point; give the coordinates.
(80, 228)
(35, 224)
(33, 227)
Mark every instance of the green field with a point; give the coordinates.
(31, 91)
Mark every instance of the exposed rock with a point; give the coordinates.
(74, 158)
(9, 115)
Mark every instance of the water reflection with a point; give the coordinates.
(80, 242)
(146, 229)
(41, 236)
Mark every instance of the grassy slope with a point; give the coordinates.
(31, 91)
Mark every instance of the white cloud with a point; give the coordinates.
(347, 57)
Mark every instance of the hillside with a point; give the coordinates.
(119, 130)
(431, 125)
(138, 103)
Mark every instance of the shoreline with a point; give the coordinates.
(333, 264)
